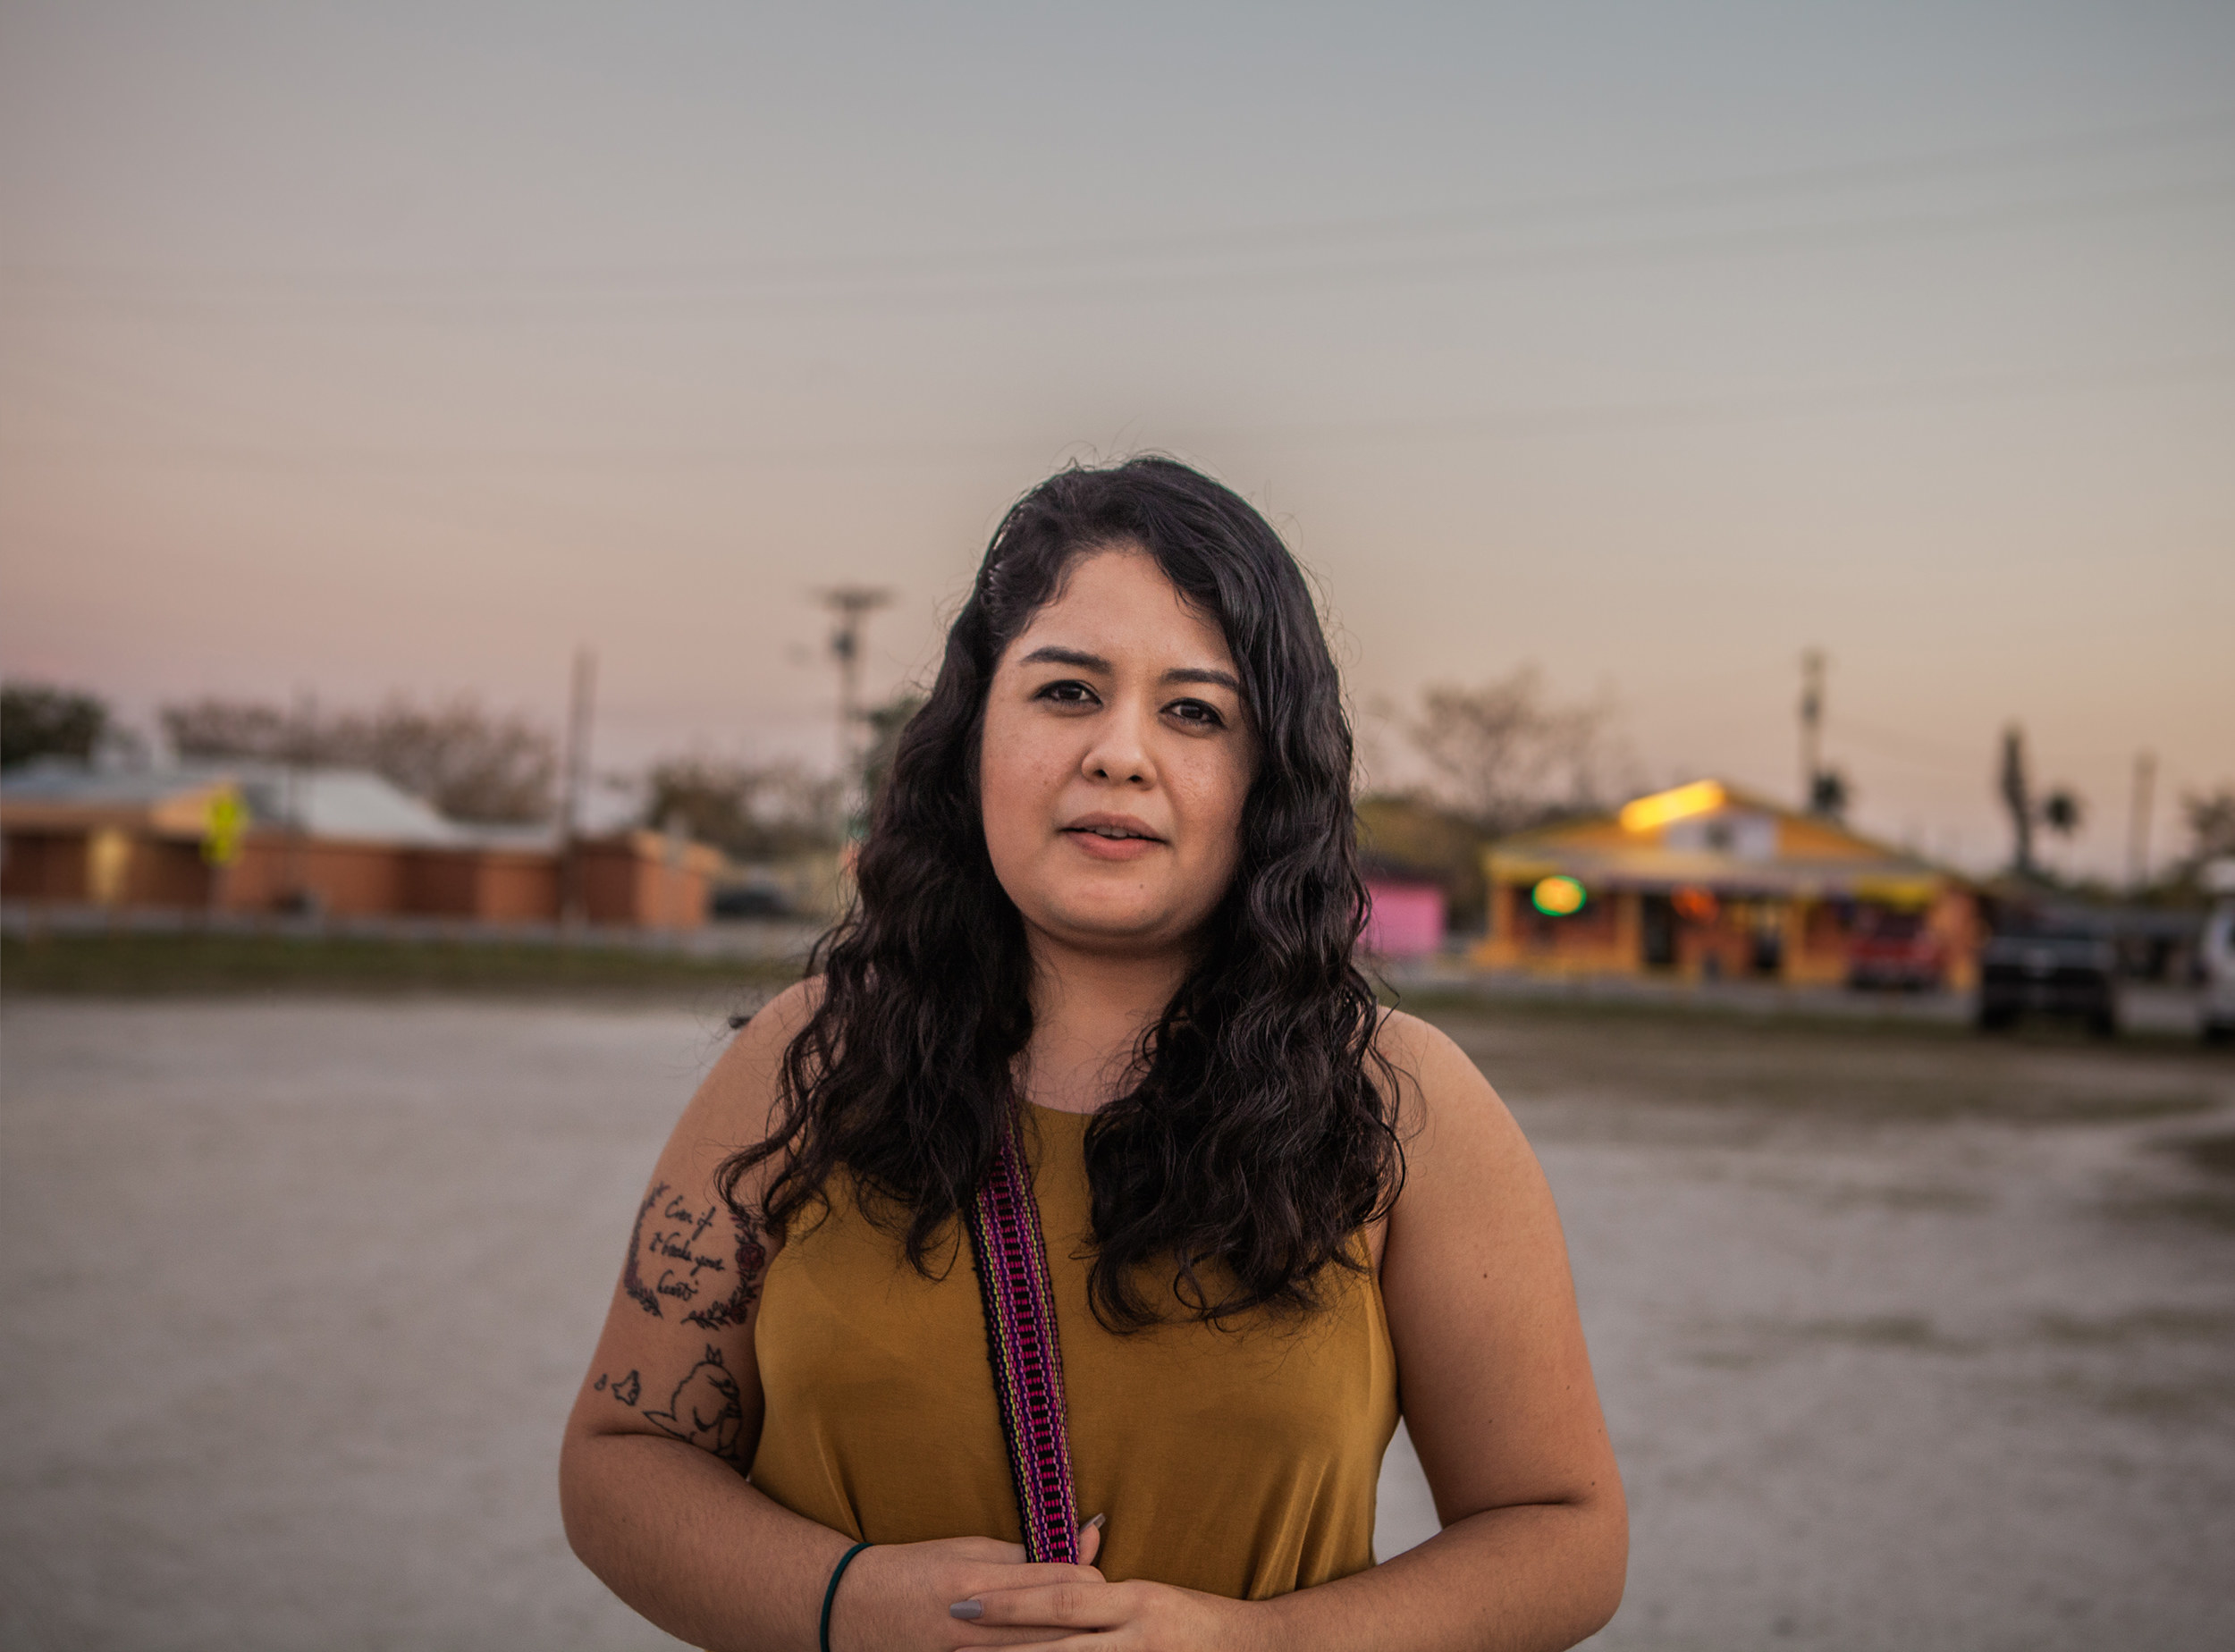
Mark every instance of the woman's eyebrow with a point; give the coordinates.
(1051, 655)
(1204, 674)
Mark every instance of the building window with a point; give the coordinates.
(108, 866)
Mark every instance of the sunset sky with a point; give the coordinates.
(351, 349)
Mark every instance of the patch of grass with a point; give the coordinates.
(171, 965)
(2159, 1402)
(1910, 1331)
(1728, 1359)
(2104, 1107)
(1442, 1003)
(1941, 1201)
(1861, 1073)
(1750, 1345)
(2214, 1207)
(2143, 1324)
(2214, 1154)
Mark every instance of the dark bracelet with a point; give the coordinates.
(831, 1593)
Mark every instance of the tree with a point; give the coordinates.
(1507, 756)
(40, 721)
(1830, 794)
(2211, 817)
(749, 811)
(2061, 811)
(469, 763)
(885, 723)
(245, 730)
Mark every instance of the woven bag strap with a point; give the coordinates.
(1020, 1334)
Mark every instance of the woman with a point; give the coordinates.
(1106, 919)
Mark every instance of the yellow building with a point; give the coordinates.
(1708, 881)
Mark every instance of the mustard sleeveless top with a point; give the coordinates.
(1242, 1463)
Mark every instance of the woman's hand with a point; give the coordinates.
(896, 1597)
(1080, 1616)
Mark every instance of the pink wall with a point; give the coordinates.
(1403, 920)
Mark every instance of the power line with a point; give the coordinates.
(1087, 267)
(996, 285)
(1492, 424)
(1909, 748)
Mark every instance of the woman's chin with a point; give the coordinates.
(1093, 927)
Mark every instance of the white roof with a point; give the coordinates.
(345, 803)
(353, 804)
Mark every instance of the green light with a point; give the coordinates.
(1558, 897)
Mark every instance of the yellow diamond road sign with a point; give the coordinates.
(221, 828)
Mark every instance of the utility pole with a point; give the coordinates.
(2017, 791)
(1811, 726)
(302, 753)
(2137, 843)
(850, 607)
(572, 906)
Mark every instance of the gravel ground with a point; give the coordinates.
(1906, 1339)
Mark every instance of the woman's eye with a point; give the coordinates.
(1067, 694)
(1197, 711)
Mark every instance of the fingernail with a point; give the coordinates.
(966, 1609)
(1097, 1521)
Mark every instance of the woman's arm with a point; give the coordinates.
(1497, 1397)
(652, 1477)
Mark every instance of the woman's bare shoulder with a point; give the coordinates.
(1448, 1113)
(739, 1096)
(1407, 1040)
(1433, 1073)
(779, 1021)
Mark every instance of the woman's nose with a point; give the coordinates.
(1119, 753)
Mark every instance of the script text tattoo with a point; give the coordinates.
(669, 1260)
(751, 1262)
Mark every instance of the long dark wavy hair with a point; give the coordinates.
(1259, 1135)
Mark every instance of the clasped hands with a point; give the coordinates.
(969, 1592)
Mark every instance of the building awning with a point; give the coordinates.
(1653, 870)
(1721, 840)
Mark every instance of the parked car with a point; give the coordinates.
(2051, 969)
(749, 897)
(2215, 957)
(1895, 951)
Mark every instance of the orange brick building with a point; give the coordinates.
(343, 844)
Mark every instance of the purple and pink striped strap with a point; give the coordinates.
(1020, 1329)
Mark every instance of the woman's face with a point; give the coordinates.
(1116, 760)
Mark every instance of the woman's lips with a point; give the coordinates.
(1096, 846)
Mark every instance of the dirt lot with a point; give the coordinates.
(1907, 1340)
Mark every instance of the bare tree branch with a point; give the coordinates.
(470, 764)
(752, 811)
(1506, 755)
